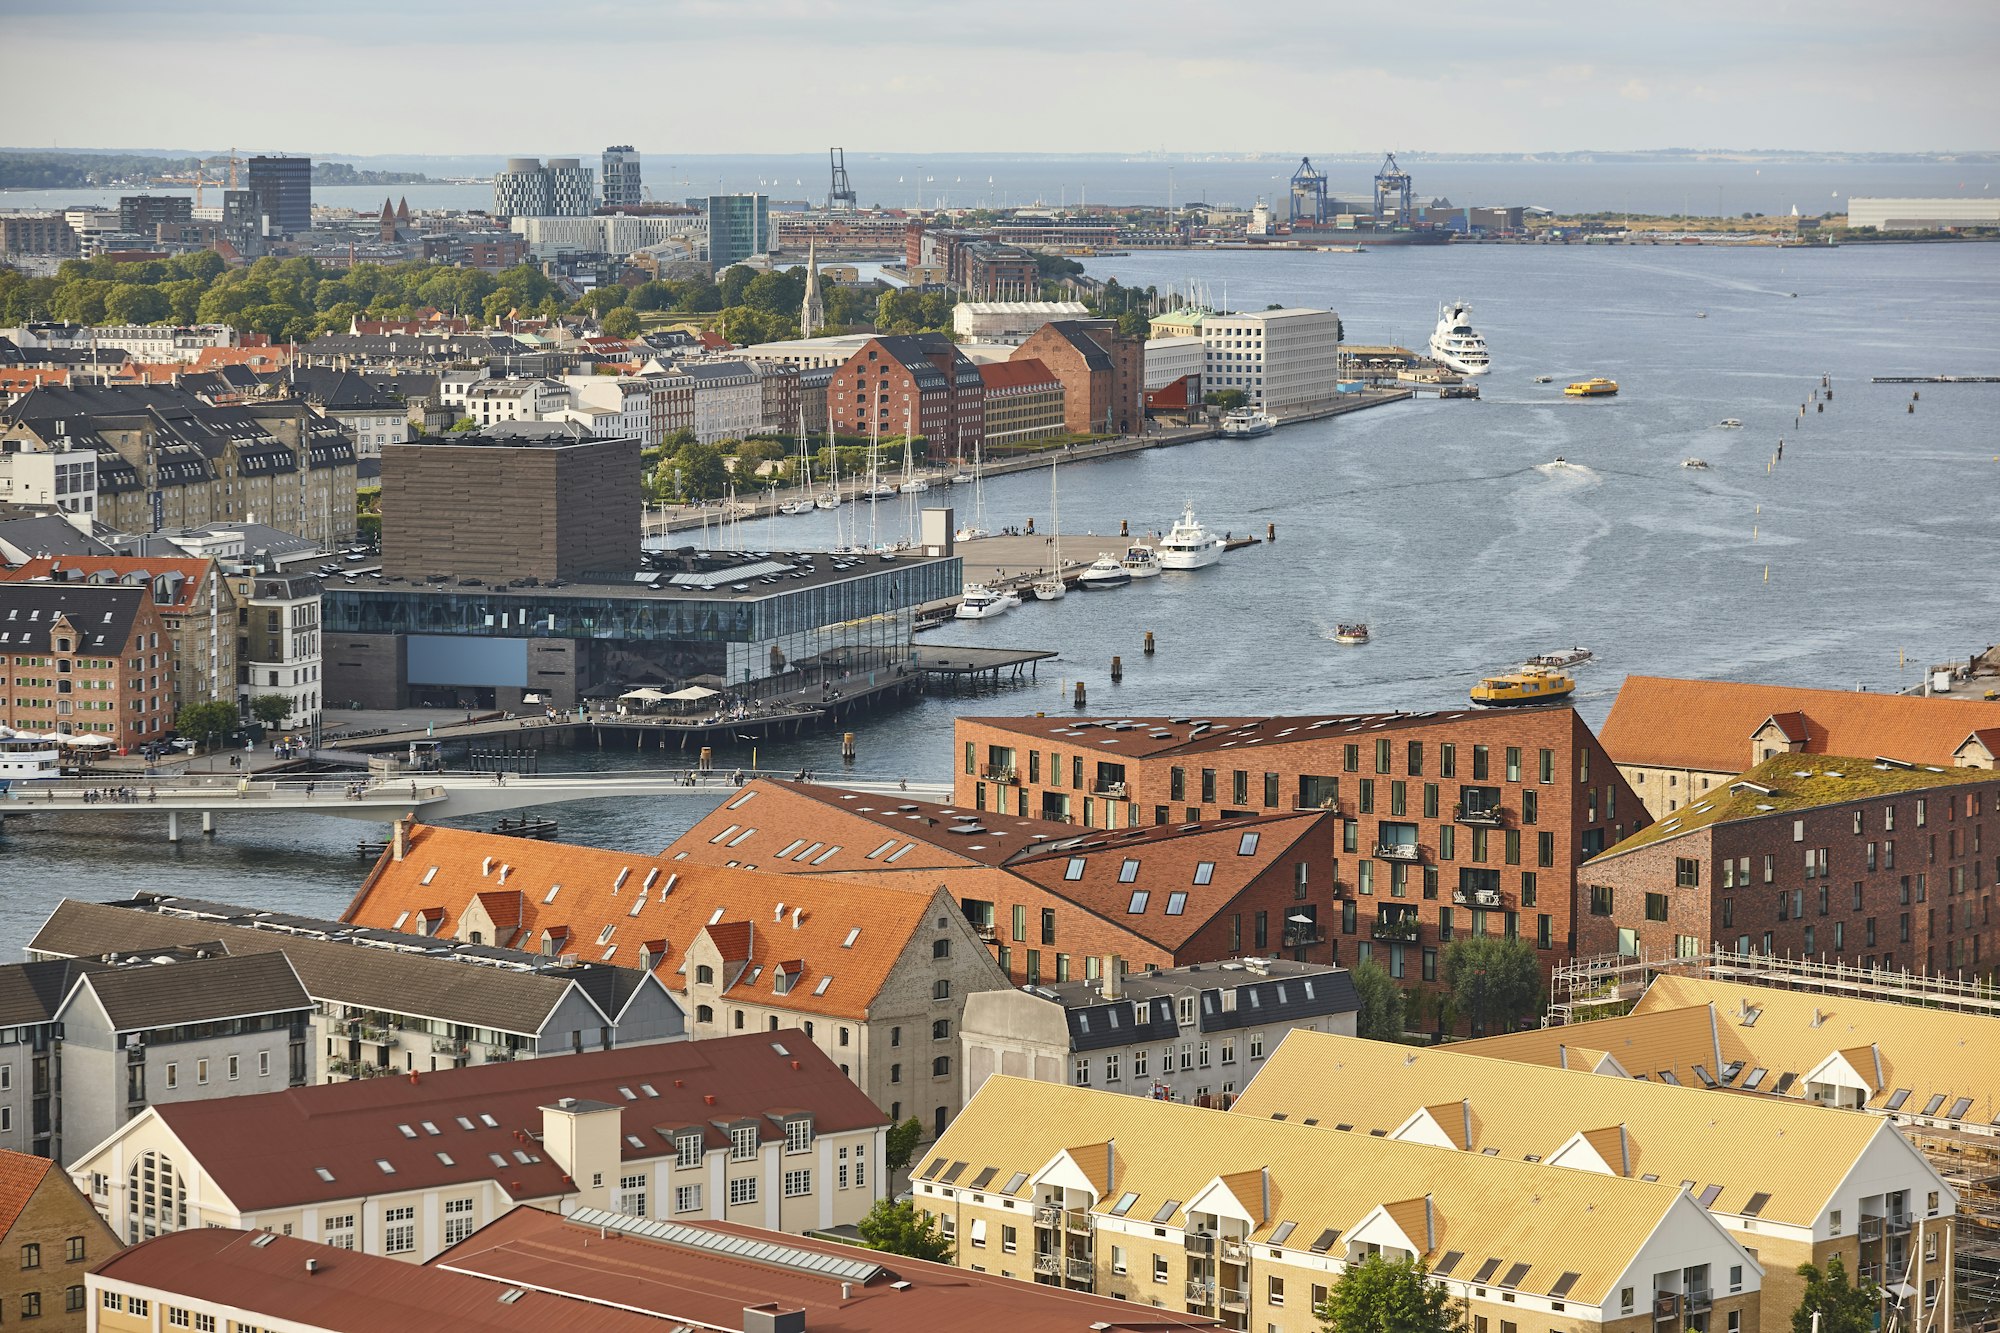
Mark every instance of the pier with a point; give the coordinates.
(1934, 379)
(962, 667)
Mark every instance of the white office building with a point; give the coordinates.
(549, 236)
(1169, 359)
(526, 188)
(1284, 361)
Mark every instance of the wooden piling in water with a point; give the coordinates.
(1117, 669)
(1149, 643)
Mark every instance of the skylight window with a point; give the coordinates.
(901, 852)
(521, 1156)
(445, 1159)
(1128, 872)
(743, 837)
(464, 1123)
(852, 936)
(408, 1132)
(1074, 870)
(716, 915)
(387, 1168)
(1138, 903)
(791, 847)
(488, 1121)
(496, 1159)
(824, 982)
(827, 855)
(550, 896)
(879, 850)
(1204, 871)
(323, 1173)
(628, 1094)
(725, 833)
(1247, 845)
(430, 1128)
(604, 936)
(429, 875)
(1176, 903)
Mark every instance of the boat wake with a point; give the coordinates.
(1565, 470)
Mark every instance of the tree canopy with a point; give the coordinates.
(1381, 1295)
(1381, 1014)
(1841, 1308)
(902, 1142)
(206, 722)
(898, 1228)
(1492, 978)
(271, 709)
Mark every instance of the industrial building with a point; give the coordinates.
(1922, 214)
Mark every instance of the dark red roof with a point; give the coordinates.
(1025, 373)
(266, 1151)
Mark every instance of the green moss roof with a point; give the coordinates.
(1796, 782)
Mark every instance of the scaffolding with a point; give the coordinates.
(1598, 987)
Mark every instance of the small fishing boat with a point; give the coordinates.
(1350, 633)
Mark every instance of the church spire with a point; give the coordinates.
(812, 314)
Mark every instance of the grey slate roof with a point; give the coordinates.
(197, 990)
(102, 615)
(49, 536)
(409, 974)
(1265, 991)
(30, 993)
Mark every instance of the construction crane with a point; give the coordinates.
(233, 161)
(841, 194)
(1308, 194)
(1392, 182)
(194, 178)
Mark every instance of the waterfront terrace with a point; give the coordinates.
(1448, 822)
(875, 975)
(1675, 739)
(745, 1129)
(1836, 859)
(1253, 1220)
(1791, 1180)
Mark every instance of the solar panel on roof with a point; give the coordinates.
(1450, 1261)
(1514, 1275)
(1563, 1284)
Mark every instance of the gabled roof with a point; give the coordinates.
(269, 1150)
(1117, 738)
(101, 615)
(20, 1176)
(1025, 373)
(1675, 1041)
(137, 996)
(641, 899)
(48, 535)
(1707, 724)
(1797, 1154)
(30, 993)
(186, 581)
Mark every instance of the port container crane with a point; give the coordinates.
(841, 194)
(1393, 183)
(1308, 194)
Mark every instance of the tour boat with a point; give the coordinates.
(26, 757)
(1189, 545)
(1566, 657)
(1247, 423)
(1350, 633)
(1142, 562)
(1106, 572)
(983, 603)
(1529, 685)
(1594, 388)
(1456, 344)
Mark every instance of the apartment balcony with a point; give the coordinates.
(1200, 1243)
(1049, 1215)
(1477, 898)
(1699, 1301)
(1666, 1307)
(446, 1046)
(1299, 936)
(1050, 1265)
(1076, 1220)
(1000, 773)
(1898, 1224)
(1398, 851)
(986, 930)
(1235, 1251)
(1201, 1293)
(1871, 1228)
(1081, 1270)
(1234, 1298)
(1478, 818)
(1397, 930)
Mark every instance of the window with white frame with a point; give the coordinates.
(860, 1165)
(742, 1189)
(687, 1198)
(399, 1229)
(632, 1195)
(742, 1143)
(458, 1220)
(1083, 1071)
(798, 1184)
(339, 1231)
(687, 1150)
(799, 1135)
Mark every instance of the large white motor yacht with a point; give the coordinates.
(1456, 344)
(1189, 545)
(984, 603)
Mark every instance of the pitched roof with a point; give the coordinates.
(640, 899)
(374, 971)
(184, 576)
(101, 615)
(20, 1176)
(184, 990)
(30, 993)
(1320, 1180)
(705, 1275)
(262, 1274)
(48, 535)
(1786, 784)
(1022, 374)
(1707, 724)
(1150, 737)
(1675, 1041)
(268, 1150)
(1748, 1146)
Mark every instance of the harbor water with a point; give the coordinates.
(1446, 526)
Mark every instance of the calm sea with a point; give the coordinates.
(1442, 524)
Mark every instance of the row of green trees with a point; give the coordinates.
(1490, 982)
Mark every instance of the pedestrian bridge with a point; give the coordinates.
(381, 800)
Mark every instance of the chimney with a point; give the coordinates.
(1114, 985)
(312, 1266)
(770, 1317)
(583, 1140)
(798, 915)
(399, 845)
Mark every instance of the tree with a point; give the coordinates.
(1381, 1014)
(898, 1228)
(271, 709)
(1491, 976)
(902, 1142)
(702, 475)
(622, 323)
(1379, 1295)
(206, 722)
(1841, 1308)
(1226, 399)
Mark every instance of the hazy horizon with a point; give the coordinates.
(382, 79)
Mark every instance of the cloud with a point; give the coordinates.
(1634, 90)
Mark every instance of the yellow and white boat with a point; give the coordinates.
(1598, 388)
(1529, 685)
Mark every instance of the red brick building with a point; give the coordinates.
(1103, 373)
(85, 659)
(1448, 823)
(1869, 862)
(916, 381)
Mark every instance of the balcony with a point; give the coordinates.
(1235, 1251)
(1479, 818)
(446, 1046)
(1076, 1220)
(1476, 898)
(1398, 851)
(1234, 1298)
(1898, 1224)
(1699, 1301)
(986, 930)
(1115, 790)
(1200, 1293)
(1081, 1270)
(1048, 1215)
(1049, 1264)
(1300, 936)
(1871, 1228)
(1666, 1307)
(1397, 930)
(1000, 773)
(1200, 1243)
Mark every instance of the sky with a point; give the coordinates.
(463, 77)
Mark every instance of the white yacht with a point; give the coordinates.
(1189, 545)
(1247, 423)
(984, 603)
(796, 507)
(1456, 344)
(1142, 562)
(1050, 587)
(1105, 573)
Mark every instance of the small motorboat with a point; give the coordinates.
(1142, 562)
(1105, 573)
(1701, 314)
(828, 500)
(1730, 423)
(1567, 657)
(983, 603)
(1350, 633)
(796, 507)
(1696, 463)
(961, 479)
(1545, 379)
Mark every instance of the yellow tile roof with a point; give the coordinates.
(1746, 1145)
(1935, 1054)
(1673, 1041)
(1555, 1220)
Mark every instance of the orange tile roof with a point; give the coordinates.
(1025, 373)
(581, 891)
(20, 1176)
(192, 571)
(1706, 724)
